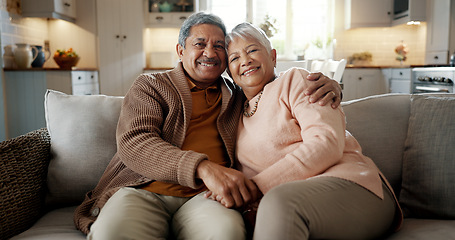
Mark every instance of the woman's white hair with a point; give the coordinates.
(248, 30)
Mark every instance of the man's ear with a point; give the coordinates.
(273, 53)
(179, 48)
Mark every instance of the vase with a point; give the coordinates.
(8, 57)
(23, 55)
(41, 57)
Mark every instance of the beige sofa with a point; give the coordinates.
(45, 174)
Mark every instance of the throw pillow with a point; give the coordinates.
(82, 130)
(429, 159)
(23, 162)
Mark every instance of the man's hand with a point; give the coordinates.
(229, 186)
(323, 89)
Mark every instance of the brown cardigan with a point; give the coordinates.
(152, 125)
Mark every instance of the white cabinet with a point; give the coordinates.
(399, 79)
(85, 82)
(166, 19)
(438, 28)
(362, 82)
(368, 13)
(121, 56)
(25, 92)
(173, 19)
(61, 9)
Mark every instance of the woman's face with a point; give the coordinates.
(250, 64)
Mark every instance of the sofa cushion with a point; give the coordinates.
(428, 162)
(82, 130)
(23, 165)
(380, 123)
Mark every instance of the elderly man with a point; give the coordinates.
(175, 138)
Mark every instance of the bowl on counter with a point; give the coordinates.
(66, 62)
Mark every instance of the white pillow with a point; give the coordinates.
(82, 130)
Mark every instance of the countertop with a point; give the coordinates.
(394, 66)
(49, 69)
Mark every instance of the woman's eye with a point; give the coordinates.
(252, 50)
(233, 59)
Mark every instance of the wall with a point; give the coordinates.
(380, 41)
(161, 40)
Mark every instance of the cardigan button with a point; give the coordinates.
(96, 212)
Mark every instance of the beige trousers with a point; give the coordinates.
(323, 208)
(138, 215)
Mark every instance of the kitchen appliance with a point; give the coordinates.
(433, 80)
(405, 11)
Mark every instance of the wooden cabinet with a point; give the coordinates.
(121, 56)
(61, 9)
(359, 82)
(438, 29)
(368, 13)
(25, 92)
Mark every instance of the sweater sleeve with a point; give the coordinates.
(322, 132)
(150, 120)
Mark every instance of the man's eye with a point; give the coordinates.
(219, 47)
(199, 45)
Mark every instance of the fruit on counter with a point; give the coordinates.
(65, 53)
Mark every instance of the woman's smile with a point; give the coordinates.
(250, 71)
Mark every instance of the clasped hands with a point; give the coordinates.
(228, 186)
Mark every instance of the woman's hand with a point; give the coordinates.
(323, 89)
(228, 186)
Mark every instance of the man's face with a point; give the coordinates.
(204, 57)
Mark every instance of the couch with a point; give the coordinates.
(45, 174)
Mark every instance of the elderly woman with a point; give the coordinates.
(315, 180)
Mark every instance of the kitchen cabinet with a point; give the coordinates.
(121, 57)
(25, 92)
(173, 19)
(61, 9)
(166, 19)
(438, 31)
(362, 82)
(399, 79)
(414, 12)
(368, 13)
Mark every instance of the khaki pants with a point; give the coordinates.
(323, 208)
(138, 214)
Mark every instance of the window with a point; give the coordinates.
(303, 27)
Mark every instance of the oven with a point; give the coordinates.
(433, 80)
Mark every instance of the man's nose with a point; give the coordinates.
(209, 52)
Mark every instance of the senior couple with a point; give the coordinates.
(195, 151)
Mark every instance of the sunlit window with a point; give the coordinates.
(298, 28)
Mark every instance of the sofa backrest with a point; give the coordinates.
(380, 125)
(82, 130)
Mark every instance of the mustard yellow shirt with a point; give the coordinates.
(202, 136)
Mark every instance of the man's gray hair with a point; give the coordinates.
(197, 19)
(248, 30)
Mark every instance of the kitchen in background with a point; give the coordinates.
(120, 39)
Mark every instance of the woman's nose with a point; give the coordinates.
(246, 60)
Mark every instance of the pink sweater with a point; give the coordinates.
(288, 139)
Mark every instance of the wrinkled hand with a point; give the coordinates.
(226, 185)
(323, 89)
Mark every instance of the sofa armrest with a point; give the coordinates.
(23, 170)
